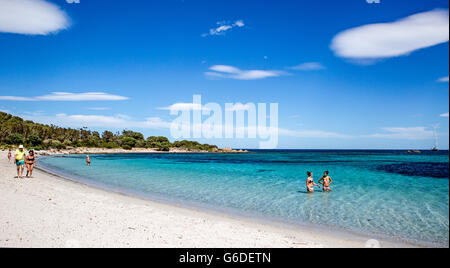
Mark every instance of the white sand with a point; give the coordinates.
(49, 211)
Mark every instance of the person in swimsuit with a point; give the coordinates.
(30, 161)
(326, 181)
(9, 156)
(19, 159)
(88, 160)
(310, 183)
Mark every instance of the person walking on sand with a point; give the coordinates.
(9, 156)
(310, 183)
(19, 159)
(88, 160)
(30, 161)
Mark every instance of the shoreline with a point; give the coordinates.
(115, 210)
(235, 213)
(94, 151)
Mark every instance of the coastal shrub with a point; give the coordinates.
(131, 134)
(13, 129)
(141, 144)
(107, 137)
(14, 139)
(110, 145)
(34, 140)
(158, 142)
(67, 143)
(129, 142)
(57, 144)
(164, 147)
(127, 147)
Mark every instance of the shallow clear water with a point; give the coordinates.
(374, 192)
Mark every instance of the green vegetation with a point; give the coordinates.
(14, 131)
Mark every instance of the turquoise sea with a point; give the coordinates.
(386, 194)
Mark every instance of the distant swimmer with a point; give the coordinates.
(310, 182)
(326, 181)
(88, 160)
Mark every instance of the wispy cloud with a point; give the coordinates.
(308, 66)
(31, 17)
(230, 72)
(65, 96)
(223, 27)
(443, 79)
(408, 133)
(98, 108)
(444, 115)
(386, 40)
(93, 121)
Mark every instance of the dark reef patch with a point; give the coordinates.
(432, 170)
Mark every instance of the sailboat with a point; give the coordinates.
(435, 148)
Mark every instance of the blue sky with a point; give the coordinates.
(342, 81)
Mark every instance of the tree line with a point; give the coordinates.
(15, 130)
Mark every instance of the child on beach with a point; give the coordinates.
(326, 181)
(310, 183)
(9, 156)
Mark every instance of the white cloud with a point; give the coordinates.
(93, 121)
(444, 115)
(65, 96)
(225, 71)
(409, 133)
(386, 40)
(14, 98)
(224, 27)
(31, 17)
(443, 79)
(98, 108)
(308, 66)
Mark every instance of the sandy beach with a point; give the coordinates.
(49, 211)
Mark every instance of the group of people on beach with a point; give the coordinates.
(326, 182)
(22, 159)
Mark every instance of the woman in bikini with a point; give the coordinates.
(30, 161)
(310, 182)
(326, 181)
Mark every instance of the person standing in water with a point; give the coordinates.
(326, 181)
(88, 160)
(30, 161)
(310, 183)
(19, 159)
